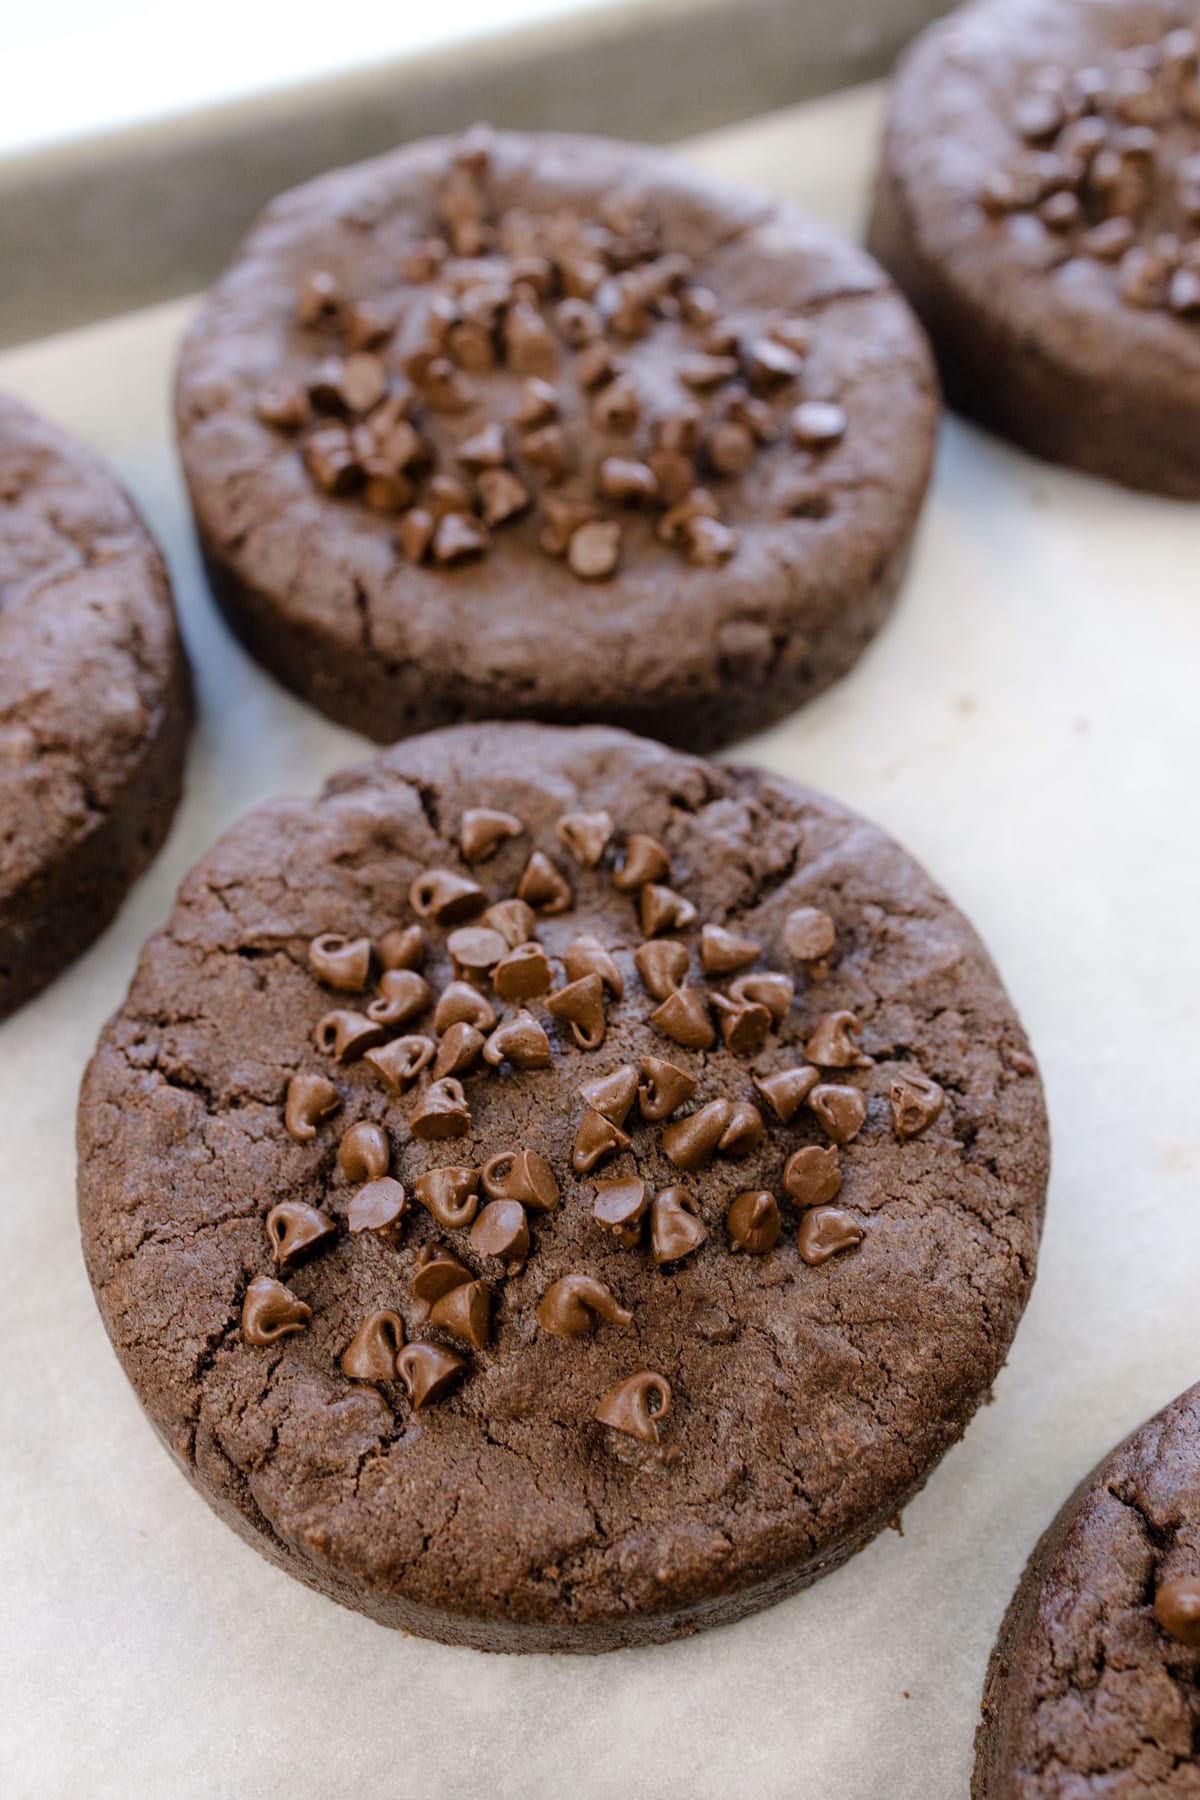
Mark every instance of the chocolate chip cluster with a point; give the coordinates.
(495, 383)
(1111, 165)
(424, 1048)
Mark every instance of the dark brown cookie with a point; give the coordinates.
(1039, 202)
(641, 1161)
(1094, 1685)
(94, 701)
(552, 427)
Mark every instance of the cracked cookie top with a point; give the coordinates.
(551, 1191)
(1094, 1685)
(493, 370)
(88, 646)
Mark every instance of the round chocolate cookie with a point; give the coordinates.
(550, 1193)
(1094, 1684)
(552, 427)
(1039, 202)
(94, 700)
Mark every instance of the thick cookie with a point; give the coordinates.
(553, 427)
(550, 1193)
(94, 701)
(1094, 1684)
(1039, 202)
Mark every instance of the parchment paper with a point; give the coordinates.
(1029, 725)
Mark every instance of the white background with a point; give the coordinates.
(1029, 724)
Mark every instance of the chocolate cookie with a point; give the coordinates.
(1094, 1684)
(94, 701)
(550, 1193)
(552, 427)
(1039, 202)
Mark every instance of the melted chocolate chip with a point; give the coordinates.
(445, 897)
(346, 1035)
(544, 887)
(458, 1051)
(812, 1176)
(502, 1230)
(451, 1194)
(753, 1222)
(461, 1004)
(620, 1206)
(340, 962)
(581, 1005)
(520, 1041)
(437, 1273)
(663, 966)
(465, 1312)
(403, 996)
(378, 1206)
(571, 1306)
(691, 1142)
(723, 952)
(612, 1095)
(664, 1089)
(683, 1017)
(441, 1111)
(1177, 1609)
(825, 1232)
(787, 1090)
(429, 1373)
(521, 1175)
(645, 860)
(523, 974)
(483, 829)
(916, 1102)
(399, 1062)
(841, 1110)
(371, 1353)
(271, 1311)
(585, 835)
(586, 955)
(596, 1138)
(295, 1231)
(364, 1153)
(637, 1405)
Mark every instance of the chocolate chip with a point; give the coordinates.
(465, 1312)
(283, 404)
(460, 1004)
(699, 305)
(586, 955)
(916, 1102)
(423, 261)
(363, 382)
(295, 1231)
(680, 432)
(730, 447)
(543, 886)
(662, 909)
(808, 934)
(678, 520)
(529, 344)
(483, 829)
(441, 1111)
(1183, 294)
(364, 1152)
(371, 1353)
(596, 364)
(522, 974)
(403, 996)
(744, 1027)
(1060, 211)
(378, 1206)
(787, 1090)
(475, 950)
(571, 1306)
(691, 1142)
(596, 1138)
(683, 1017)
(416, 534)
(271, 1311)
(753, 1222)
(612, 1095)
(663, 1090)
(521, 1175)
(398, 1063)
(645, 861)
(675, 1230)
(770, 364)
(594, 550)
(812, 1175)
(1177, 1609)
(484, 450)
(513, 919)
(581, 1005)
(625, 481)
(744, 1131)
(445, 388)
(457, 539)
(502, 1230)
(663, 966)
(451, 1194)
(841, 1110)
(548, 451)
(310, 1098)
(538, 404)
(429, 1373)
(319, 301)
(707, 371)
(707, 543)
(561, 519)
(444, 896)
(620, 1206)
(458, 1051)
(794, 334)
(345, 1035)
(340, 962)
(617, 407)
(579, 322)
(585, 835)
(636, 1406)
(503, 496)
(833, 1043)
(818, 424)
(768, 988)
(675, 474)
(825, 1231)
(521, 1041)
(1037, 114)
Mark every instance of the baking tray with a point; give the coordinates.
(118, 221)
(1027, 724)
